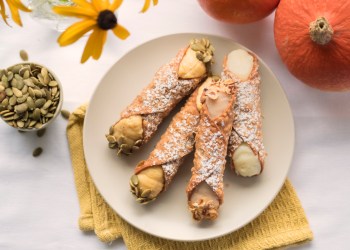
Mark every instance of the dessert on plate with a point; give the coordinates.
(205, 188)
(246, 148)
(170, 84)
(153, 175)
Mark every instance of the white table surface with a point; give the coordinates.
(38, 203)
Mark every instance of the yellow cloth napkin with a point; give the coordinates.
(283, 223)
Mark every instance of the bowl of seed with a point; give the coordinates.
(30, 96)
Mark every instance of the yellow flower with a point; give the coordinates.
(147, 4)
(14, 6)
(98, 16)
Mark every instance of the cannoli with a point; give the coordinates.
(246, 148)
(170, 84)
(205, 188)
(153, 176)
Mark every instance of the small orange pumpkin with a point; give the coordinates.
(313, 40)
(238, 11)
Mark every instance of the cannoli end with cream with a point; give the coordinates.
(153, 175)
(171, 83)
(205, 198)
(244, 160)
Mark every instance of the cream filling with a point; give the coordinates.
(128, 130)
(190, 67)
(152, 178)
(218, 105)
(205, 85)
(203, 194)
(245, 162)
(240, 63)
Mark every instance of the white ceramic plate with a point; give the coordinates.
(168, 216)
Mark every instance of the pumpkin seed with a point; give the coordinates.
(20, 84)
(43, 111)
(24, 55)
(9, 92)
(35, 80)
(111, 139)
(2, 96)
(29, 82)
(24, 89)
(207, 59)
(21, 108)
(9, 76)
(38, 93)
(39, 102)
(30, 103)
(47, 79)
(29, 96)
(53, 83)
(31, 123)
(22, 99)
(135, 180)
(40, 132)
(146, 193)
(26, 74)
(111, 130)
(13, 100)
(65, 113)
(36, 114)
(197, 47)
(20, 124)
(17, 92)
(37, 151)
(9, 118)
(4, 111)
(47, 104)
(38, 125)
(8, 114)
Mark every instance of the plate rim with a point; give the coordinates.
(194, 34)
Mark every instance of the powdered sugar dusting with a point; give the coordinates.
(160, 96)
(177, 141)
(211, 156)
(247, 125)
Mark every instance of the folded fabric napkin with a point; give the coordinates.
(283, 223)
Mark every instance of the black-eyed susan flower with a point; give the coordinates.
(98, 16)
(147, 5)
(14, 6)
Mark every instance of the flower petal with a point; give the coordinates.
(75, 31)
(100, 41)
(89, 47)
(146, 6)
(78, 12)
(100, 4)
(115, 5)
(121, 32)
(2, 12)
(19, 5)
(14, 13)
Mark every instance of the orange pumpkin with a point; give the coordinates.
(238, 11)
(313, 40)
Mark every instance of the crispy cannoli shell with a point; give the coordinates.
(247, 125)
(211, 148)
(176, 142)
(156, 100)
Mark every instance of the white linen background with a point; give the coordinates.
(38, 203)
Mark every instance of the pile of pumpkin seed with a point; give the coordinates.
(204, 49)
(29, 96)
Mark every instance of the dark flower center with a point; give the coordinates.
(106, 20)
